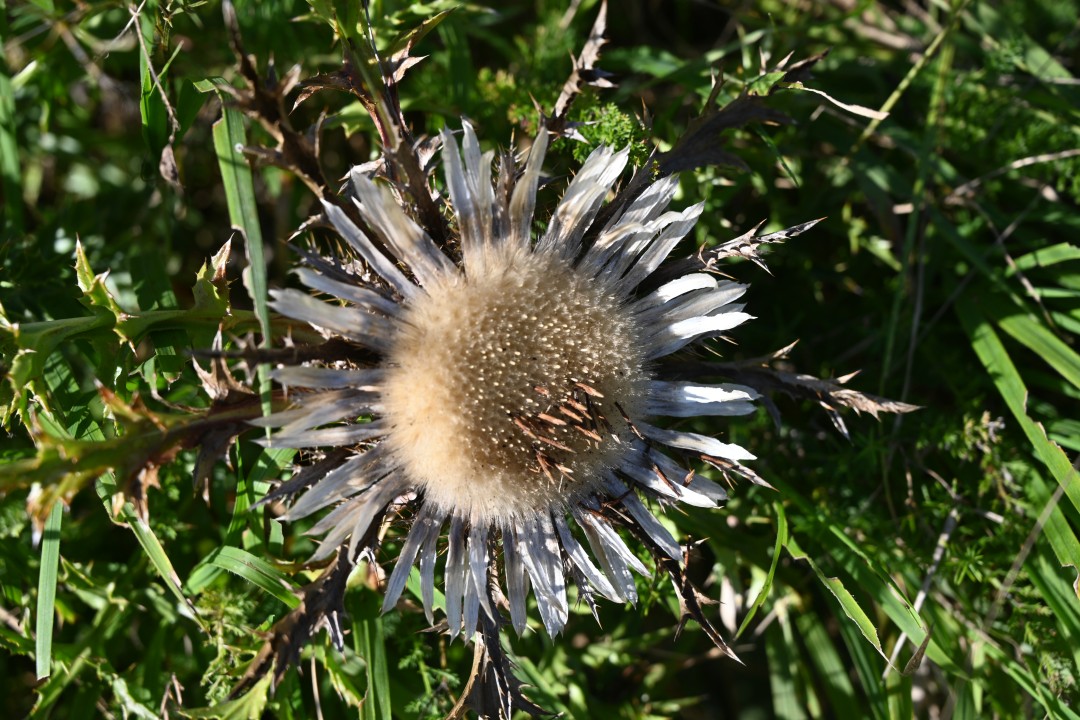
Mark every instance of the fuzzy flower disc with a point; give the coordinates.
(507, 389)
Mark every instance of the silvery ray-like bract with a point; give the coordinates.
(513, 388)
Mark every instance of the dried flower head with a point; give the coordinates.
(514, 388)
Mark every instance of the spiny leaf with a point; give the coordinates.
(211, 289)
(95, 294)
(249, 706)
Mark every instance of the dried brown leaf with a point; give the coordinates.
(321, 605)
(691, 600)
(747, 244)
(585, 72)
(830, 394)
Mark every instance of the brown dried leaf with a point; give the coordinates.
(700, 145)
(264, 100)
(585, 72)
(492, 691)
(321, 605)
(218, 382)
(830, 394)
(339, 80)
(691, 600)
(747, 244)
(225, 392)
(401, 57)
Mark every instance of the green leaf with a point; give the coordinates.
(252, 486)
(413, 586)
(1057, 530)
(867, 669)
(96, 296)
(155, 552)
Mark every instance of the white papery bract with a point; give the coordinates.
(517, 381)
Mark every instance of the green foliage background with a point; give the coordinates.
(947, 270)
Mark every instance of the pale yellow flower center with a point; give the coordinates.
(508, 392)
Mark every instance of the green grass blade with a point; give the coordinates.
(1043, 257)
(50, 564)
(1063, 540)
(1060, 596)
(783, 661)
(866, 574)
(996, 360)
(868, 670)
(10, 171)
(151, 545)
(1031, 333)
(108, 621)
(257, 571)
(847, 601)
(229, 139)
(830, 667)
(370, 644)
(898, 691)
(252, 486)
(781, 540)
(413, 586)
(1030, 684)
(155, 551)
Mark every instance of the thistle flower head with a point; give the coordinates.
(515, 386)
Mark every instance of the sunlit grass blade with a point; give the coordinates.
(781, 541)
(47, 577)
(1061, 597)
(1044, 257)
(783, 661)
(1037, 338)
(866, 573)
(370, 644)
(10, 172)
(151, 545)
(831, 669)
(1060, 534)
(847, 601)
(257, 571)
(155, 552)
(229, 141)
(107, 622)
(996, 360)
